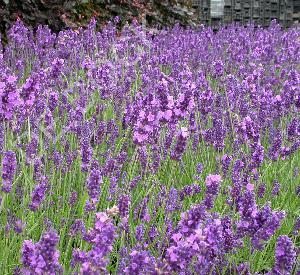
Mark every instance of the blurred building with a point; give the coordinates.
(260, 12)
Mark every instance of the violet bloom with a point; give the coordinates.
(2, 136)
(141, 262)
(37, 168)
(261, 190)
(276, 188)
(173, 200)
(32, 149)
(296, 230)
(218, 68)
(143, 157)
(191, 219)
(142, 211)
(124, 205)
(39, 194)
(298, 190)
(212, 188)
(247, 208)
(86, 156)
(19, 226)
(293, 129)
(249, 130)
(265, 225)
(212, 184)
(199, 168)
(199, 242)
(230, 238)
(189, 190)
(134, 182)
(178, 151)
(226, 160)
(10, 96)
(77, 227)
(244, 269)
(123, 259)
(9, 164)
(140, 232)
(101, 237)
(73, 198)
(285, 256)
(93, 185)
(42, 257)
(257, 156)
(117, 20)
(275, 148)
(260, 225)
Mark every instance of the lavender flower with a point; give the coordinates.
(123, 205)
(42, 257)
(212, 188)
(73, 198)
(139, 232)
(276, 188)
(190, 190)
(226, 160)
(199, 168)
(141, 262)
(257, 156)
(86, 156)
(173, 202)
(9, 165)
(93, 185)
(285, 256)
(19, 226)
(39, 193)
(212, 184)
(101, 237)
(180, 145)
(261, 190)
(77, 227)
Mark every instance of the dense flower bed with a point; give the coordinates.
(134, 153)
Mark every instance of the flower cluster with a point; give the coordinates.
(101, 237)
(42, 257)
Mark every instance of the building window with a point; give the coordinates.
(217, 8)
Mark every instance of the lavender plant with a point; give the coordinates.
(133, 152)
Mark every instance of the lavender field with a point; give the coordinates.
(128, 152)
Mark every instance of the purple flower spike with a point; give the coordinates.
(39, 194)
(285, 256)
(93, 185)
(212, 188)
(181, 144)
(42, 257)
(9, 164)
(101, 237)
